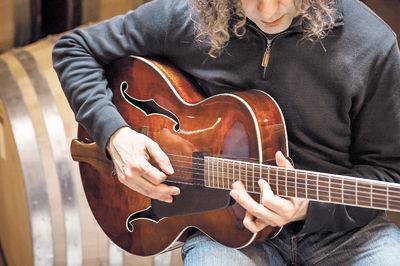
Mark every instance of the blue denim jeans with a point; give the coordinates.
(377, 243)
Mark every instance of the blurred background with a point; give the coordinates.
(44, 216)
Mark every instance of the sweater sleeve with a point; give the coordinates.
(79, 57)
(375, 150)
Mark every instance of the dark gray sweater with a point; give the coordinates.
(340, 97)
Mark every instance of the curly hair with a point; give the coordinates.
(214, 24)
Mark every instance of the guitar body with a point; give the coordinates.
(157, 100)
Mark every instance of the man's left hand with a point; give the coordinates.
(272, 210)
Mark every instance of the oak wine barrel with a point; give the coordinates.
(20, 22)
(45, 218)
(63, 15)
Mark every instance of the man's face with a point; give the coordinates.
(271, 16)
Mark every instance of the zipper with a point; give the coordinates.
(265, 60)
(267, 52)
(268, 48)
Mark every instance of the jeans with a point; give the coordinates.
(377, 243)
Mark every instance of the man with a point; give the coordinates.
(334, 69)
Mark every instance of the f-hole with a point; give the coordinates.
(148, 106)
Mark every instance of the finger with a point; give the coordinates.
(162, 160)
(142, 186)
(160, 192)
(239, 194)
(282, 161)
(147, 171)
(276, 204)
(252, 224)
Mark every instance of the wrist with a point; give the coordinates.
(114, 136)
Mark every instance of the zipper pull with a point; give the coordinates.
(267, 53)
(265, 60)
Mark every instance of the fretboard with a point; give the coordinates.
(221, 173)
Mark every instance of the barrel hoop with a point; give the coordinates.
(31, 165)
(77, 15)
(36, 20)
(22, 20)
(60, 151)
(115, 255)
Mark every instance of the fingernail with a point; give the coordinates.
(170, 170)
(233, 193)
(168, 200)
(235, 184)
(176, 191)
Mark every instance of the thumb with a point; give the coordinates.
(282, 161)
(162, 160)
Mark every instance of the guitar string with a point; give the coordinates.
(332, 177)
(278, 169)
(317, 192)
(271, 174)
(340, 181)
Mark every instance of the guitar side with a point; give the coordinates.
(246, 125)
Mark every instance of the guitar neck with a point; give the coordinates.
(221, 173)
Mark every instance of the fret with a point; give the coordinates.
(245, 178)
(222, 174)
(233, 172)
(329, 187)
(280, 181)
(218, 174)
(349, 191)
(277, 181)
(387, 196)
(253, 183)
(286, 188)
(357, 192)
(379, 195)
(336, 189)
(306, 185)
(271, 180)
(295, 184)
(213, 174)
(232, 176)
(371, 195)
(317, 187)
(240, 172)
(290, 182)
(364, 197)
(206, 173)
(268, 175)
(323, 188)
(342, 190)
(312, 184)
(301, 185)
(233, 179)
(227, 176)
(394, 197)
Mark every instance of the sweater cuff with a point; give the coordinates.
(105, 125)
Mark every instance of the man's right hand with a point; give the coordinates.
(131, 153)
